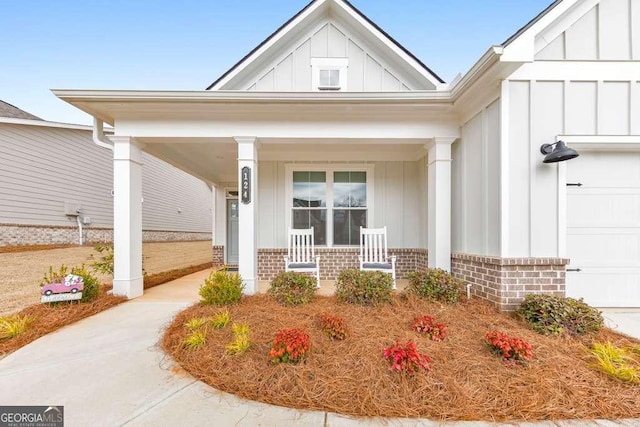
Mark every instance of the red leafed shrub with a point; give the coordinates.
(333, 326)
(289, 346)
(513, 350)
(406, 358)
(427, 325)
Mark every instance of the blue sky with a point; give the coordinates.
(186, 45)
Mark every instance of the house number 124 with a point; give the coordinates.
(246, 185)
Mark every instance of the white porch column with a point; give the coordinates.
(127, 217)
(247, 212)
(439, 203)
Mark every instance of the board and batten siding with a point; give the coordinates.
(475, 185)
(367, 71)
(538, 112)
(399, 202)
(42, 168)
(609, 31)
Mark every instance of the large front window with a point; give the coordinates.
(334, 202)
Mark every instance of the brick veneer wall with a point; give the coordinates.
(334, 260)
(218, 255)
(18, 234)
(506, 281)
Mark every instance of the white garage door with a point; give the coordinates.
(603, 224)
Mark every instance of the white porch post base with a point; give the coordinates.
(247, 214)
(127, 217)
(439, 203)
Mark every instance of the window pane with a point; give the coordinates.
(316, 218)
(309, 189)
(335, 78)
(350, 189)
(329, 78)
(346, 226)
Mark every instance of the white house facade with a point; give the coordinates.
(56, 187)
(331, 123)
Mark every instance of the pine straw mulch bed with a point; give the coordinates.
(47, 318)
(351, 377)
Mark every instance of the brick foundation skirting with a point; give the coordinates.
(218, 255)
(334, 260)
(19, 234)
(506, 281)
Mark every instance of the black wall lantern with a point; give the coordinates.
(558, 152)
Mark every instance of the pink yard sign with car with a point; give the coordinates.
(69, 289)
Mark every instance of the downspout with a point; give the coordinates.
(79, 220)
(98, 135)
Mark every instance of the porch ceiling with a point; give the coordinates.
(215, 160)
(195, 131)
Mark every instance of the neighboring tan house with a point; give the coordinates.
(331, 103)
(56, 186)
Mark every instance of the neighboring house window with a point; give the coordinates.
(334, 201)
(329, 74)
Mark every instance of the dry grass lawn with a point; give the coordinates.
(467, 382)
(21, 272)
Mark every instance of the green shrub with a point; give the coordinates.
(291, 288)
(435, 284)
(104, 264)
(222, 288)
(364, 287)
(552, 314)
(91, 284)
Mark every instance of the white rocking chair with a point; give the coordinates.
(373, 252)
(301, 255)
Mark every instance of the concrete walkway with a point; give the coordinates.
(107, 370)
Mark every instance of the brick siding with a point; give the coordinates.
(18, 234)
(334, 260)
(218, 255)
(506, 281)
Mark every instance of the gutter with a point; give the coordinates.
(491, 57)
(98, 135)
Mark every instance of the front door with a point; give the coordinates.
(232, 231)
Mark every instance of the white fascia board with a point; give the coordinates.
(268, 45)
(485, 62)
(74, 95)
(43, 123)
(392, 46)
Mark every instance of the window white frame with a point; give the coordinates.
(329, 168)
(340, 64)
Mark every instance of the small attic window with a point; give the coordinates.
(329, 74)
(329, 80)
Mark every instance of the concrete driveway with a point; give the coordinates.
(107, 370)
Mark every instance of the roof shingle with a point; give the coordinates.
(13, 112)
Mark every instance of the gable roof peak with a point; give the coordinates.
(316, 8)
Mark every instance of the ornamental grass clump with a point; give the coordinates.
(621, 363)
(291, 288)
(364, 287)
(406, 358)
(290, 346)
(195, 340)
(428, 326)
(435, 284)
(221, 288)
(513, 350)
(333, 326)
(241, 343)
(12, 326)
(551, 314)
(222, 319)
